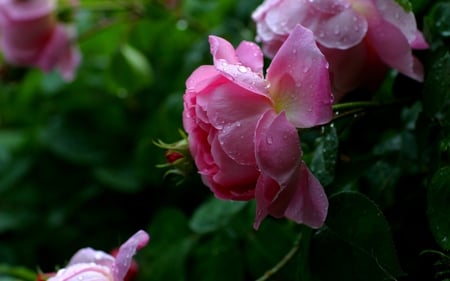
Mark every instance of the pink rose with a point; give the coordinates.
(89, 265)
(359, 38)
(242, 127)
(31, 36)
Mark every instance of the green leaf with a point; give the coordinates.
(439, 208)
(214, 214)
(223, 258)
(270, 244)
(171, 244)
(130, 69)
(324, 158)
(436, 90)
(355, 244)
(16, 273)
(122, 179)
(438, 20)
(72, 142)
(406, 5)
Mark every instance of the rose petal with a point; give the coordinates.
(398, 54)
(231, 181)
(286, 16)
(26, 10)
(222, 50)
(266, 192)
(126, 253)
(278, 150)
(303, 200)
(89, 255)
(227, 62)
(83, 271)
(299, 81)
(234, 111)
(250, 55)
(419, 42)
(392, 12)
(308, 203)
(330, 6)
(341, 30)
(59, 52)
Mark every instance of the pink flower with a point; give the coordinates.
(31, 36)
(91, 265)
(242, 127)
(359, 38)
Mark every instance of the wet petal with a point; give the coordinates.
(126, 253)
(89, 255)
(266, 192)
(250, 55)
(222, 50)
(234, 111)
(84, 272)
(398, 53)
(26, 10)
(226, 61)
(277, 147)
(308, 202)
(340, 31)
(419, 42)
(299, 81)
(238, 179)
(303, 200)
(397, 16)
(329, 6)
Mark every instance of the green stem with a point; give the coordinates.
(367, 104)
(283, 261)
(355, 104)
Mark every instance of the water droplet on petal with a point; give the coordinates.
(269, 140)
(242, 69)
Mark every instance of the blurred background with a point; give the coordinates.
(78, 160)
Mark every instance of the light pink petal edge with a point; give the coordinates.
(126, 252)
(299, 81)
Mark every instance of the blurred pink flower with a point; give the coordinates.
(88, 264)
(242, 128)
(359, 38)
(31, 36)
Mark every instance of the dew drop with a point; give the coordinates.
(321, 34)
(337, 31)
(269, 140)
(294, 51)
(242, 69)
(80, 277)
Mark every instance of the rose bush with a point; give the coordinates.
(242, 127)
(359, 38)
(89, 264)
(31, 36)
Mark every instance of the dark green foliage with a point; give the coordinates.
(78, 160)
